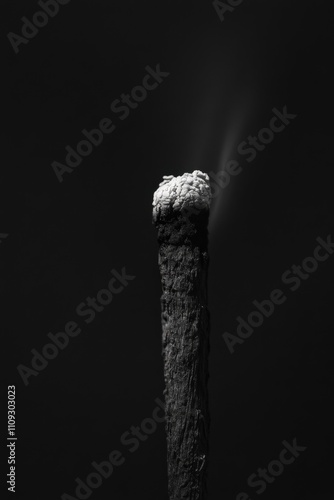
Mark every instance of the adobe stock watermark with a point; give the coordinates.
(293, 277)
(263, 477)
(30, 29)
(122, 108)
(250, 148)
(222, 7)
(60, 340)
(131, 439)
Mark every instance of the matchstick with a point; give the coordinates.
(180, 214)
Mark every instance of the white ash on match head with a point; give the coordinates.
(187, 193)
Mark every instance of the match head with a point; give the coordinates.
(187, 193)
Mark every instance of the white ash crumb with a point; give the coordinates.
(184, 192)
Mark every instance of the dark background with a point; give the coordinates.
(64, 238)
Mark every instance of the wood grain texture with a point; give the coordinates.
(183, 262)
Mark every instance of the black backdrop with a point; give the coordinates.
(64, 238)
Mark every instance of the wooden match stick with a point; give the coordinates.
(180, 213)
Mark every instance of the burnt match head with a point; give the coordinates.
(181, 208)
(187, 194)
